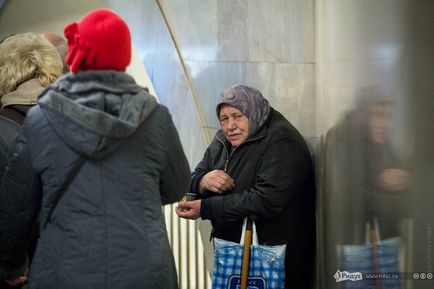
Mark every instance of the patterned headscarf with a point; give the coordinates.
(249, 101)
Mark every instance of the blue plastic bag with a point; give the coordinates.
(266, 267)
(358, 258)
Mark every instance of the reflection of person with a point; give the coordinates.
(258, 165)
(365, 180)
(28, 63)
(108, 229)
(369, 181)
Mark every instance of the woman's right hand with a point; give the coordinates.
(216, 181)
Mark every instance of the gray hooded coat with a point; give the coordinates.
(108, 230)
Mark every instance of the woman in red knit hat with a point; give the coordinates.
(103, 156)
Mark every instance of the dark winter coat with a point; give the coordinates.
(15, 106)
(274, 183)
(108, 230)
(11, 118)
(9, 132)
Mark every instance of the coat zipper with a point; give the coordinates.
(228, 156)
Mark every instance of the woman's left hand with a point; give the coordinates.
(188, 209)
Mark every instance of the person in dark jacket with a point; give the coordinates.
(28, 63)
(258, 165)
(108, 229)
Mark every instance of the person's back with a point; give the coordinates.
(108, 229)
(28, 62)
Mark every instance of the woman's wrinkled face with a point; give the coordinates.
(234, 123)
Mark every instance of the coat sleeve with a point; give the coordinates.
(201, 169)
(20, 198)
(208, 163)
(283, 167)
(175, 177)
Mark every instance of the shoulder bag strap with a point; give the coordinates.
(59, 194)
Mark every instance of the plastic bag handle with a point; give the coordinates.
(243, 232)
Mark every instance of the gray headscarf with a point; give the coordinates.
(249, 101)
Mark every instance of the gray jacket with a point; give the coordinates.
(108, 230)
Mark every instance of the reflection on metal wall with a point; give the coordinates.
(375, 162)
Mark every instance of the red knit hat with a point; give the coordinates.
(101, 40)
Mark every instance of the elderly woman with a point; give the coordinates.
(257, 165)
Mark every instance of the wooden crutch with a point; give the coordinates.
(375, 258)
(246, 254)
